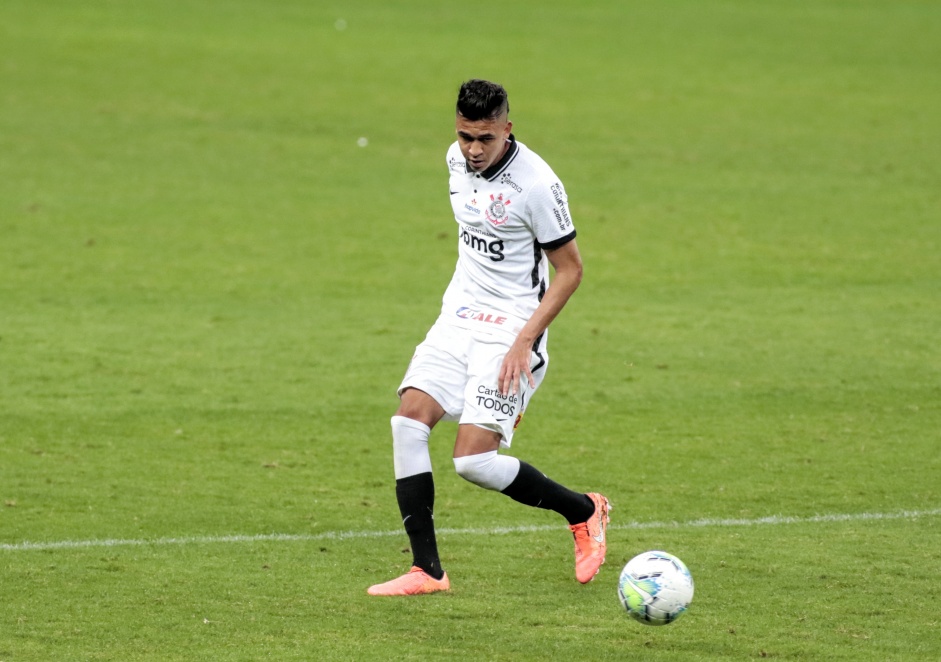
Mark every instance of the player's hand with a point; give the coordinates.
(515, 365)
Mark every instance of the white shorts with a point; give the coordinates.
(459, 367)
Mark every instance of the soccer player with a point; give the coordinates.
(485, 356)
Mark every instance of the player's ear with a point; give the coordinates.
(507, 129)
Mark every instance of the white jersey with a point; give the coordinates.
(506, 216)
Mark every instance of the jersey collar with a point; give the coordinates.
(497, 168)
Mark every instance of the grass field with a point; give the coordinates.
(209, 291)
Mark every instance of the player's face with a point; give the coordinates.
(482, 142)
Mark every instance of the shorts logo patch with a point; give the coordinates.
(480, 316)
(496, 401)
(496, 213)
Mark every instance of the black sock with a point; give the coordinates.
(416, 497)
(533, 488)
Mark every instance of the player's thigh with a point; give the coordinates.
(474, 440)
(419, 406)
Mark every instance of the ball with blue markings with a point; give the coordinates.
(655, 588)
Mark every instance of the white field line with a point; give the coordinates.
(27, 546)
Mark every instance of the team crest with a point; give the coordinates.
(496, 213)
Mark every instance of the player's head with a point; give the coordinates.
(481, 123)
(482, 100)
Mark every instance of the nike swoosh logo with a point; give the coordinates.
(454, 192)
(599, 537)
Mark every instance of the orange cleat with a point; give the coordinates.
(590, 540)
(415, 582)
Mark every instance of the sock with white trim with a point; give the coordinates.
(415, 491)
(416, 498)
(532, 488)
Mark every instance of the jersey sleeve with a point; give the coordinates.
(455, 160)
(549, 211)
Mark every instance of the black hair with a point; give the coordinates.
(482, 100)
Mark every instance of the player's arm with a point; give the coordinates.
(567, 262)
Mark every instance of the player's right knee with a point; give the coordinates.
(410, 454)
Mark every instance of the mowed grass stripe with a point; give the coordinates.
(27, 546)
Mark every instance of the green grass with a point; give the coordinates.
(209, 292)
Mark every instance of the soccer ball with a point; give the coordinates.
(655, 588)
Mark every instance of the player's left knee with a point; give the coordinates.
(489, 470)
